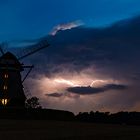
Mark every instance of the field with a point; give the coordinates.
(59, 130)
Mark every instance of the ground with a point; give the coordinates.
(59, 130)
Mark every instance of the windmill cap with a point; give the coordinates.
(9, 60)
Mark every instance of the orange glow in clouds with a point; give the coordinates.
(67, 82)
(68, 101)
(61, 83)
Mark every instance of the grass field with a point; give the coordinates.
(58, 130)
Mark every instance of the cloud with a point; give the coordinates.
(63, 95)
(57, 95)
(66, 26)
(105, 59)
(22, 43)
(114, 87)
(92, 90)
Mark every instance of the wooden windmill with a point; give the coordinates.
(11, 82)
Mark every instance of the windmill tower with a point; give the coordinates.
(11, 82)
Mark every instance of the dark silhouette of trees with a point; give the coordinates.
(33, 103)
(106, 117)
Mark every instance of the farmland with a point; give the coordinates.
(63, 130)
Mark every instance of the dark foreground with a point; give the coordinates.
(60, 130)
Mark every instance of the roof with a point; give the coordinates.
(9, 60)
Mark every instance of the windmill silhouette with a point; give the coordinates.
(11, 82)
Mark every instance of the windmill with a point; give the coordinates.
(11, 82)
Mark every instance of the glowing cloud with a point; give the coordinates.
(98, 82)
(66, 26)
(53, 91)
(64, 81)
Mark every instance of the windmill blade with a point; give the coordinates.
(35, 48)
(1, 50)
(27, 90)
(23, 43)
(30, 69)
(3, 45)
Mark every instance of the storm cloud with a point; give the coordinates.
(57, 95)
(91, 90)
(106, 58)
(111, 49)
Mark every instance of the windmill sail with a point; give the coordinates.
(30, 69)
(1, 50)
(2, 46)
(34, 48)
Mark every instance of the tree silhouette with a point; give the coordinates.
(32, 102)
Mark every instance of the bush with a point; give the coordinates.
(32, 102)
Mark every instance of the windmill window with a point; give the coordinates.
(4, 101)
(5, 87)
(5, 75)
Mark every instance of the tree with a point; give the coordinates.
(32, 102)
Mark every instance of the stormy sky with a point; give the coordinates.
(92, 62)
(89, 68)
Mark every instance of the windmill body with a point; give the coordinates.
(11, 83)
(11, 89)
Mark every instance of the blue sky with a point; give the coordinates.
(28, 19)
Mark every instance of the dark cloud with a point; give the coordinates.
(85, 90)
(103, 53)
(57, 95)
(92, 90)
(114, 87)
(113, 50)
